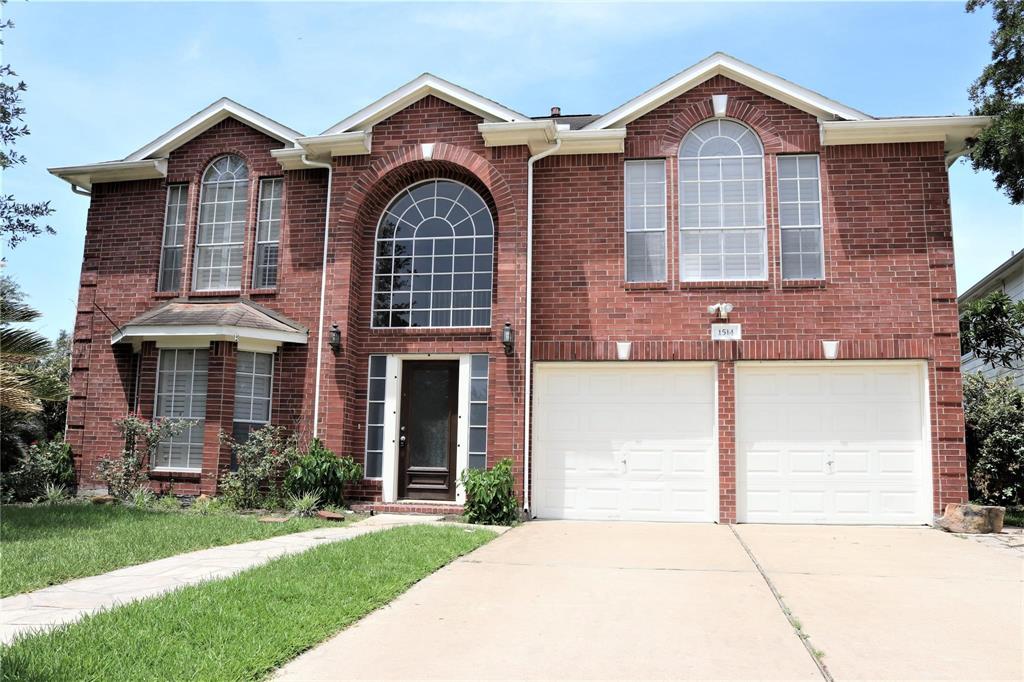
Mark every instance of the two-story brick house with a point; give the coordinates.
(407, 283)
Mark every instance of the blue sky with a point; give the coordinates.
(105, 79)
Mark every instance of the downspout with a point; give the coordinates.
(78, 190)
(323, 290)
(528, 340)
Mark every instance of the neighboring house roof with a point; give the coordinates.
(150, 161)
(992, 279)
(722, 64)
(213, 319)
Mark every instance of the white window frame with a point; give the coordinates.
(821, 212)
(763, 227)
(203, 188)
(156, 402)
(252, 392)
(261, 219)
(181, 210)
(645, 205)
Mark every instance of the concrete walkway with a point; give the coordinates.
(578, 600)
(51, 606)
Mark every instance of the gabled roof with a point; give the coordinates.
(417, 89)
(212, 319)
(720, 63)
(203, 120)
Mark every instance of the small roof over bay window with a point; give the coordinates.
(253, 327)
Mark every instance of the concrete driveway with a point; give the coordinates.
(578, 600)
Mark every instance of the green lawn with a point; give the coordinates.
(43, 545)
(243, 627)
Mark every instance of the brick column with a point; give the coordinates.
(727, 441)
(220, 411)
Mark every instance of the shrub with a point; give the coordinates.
(207, 506)
(994, 415)
(490, 495)
(46, 463)
(263, 462)
(54, 494)
(305, 504)
(125, 474)
(142, 497)
(320, 470)
(167, 503)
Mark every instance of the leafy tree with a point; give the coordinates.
(18, 220)
(993, 329)
(999, 92)
(994, 412)
(55, 369)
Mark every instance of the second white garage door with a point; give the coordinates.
(625, 441)
(839, 442)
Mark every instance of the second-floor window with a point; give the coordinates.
(223, 207)
(268, 234)
(174, 238)
(722, 214)
(800, 217)
(645, 221)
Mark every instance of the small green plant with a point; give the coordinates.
(206, 506)
(264, 460)
(54, 493)
(322, 471)
(490, 495)
(142, 497)
(126, 473)
(167, 502)
(305, 504)
(48, 462)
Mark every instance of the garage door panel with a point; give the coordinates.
(853, 453)
(633, 442)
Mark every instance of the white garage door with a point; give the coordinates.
(832, 443)
(625, 441)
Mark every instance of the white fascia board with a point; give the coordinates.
(135, 333)
(726, 65)
(111, 171)
(207, 118)
(610, 141)
(417, 89)
(952, 131)
(538, 135)
(290, 158)
(355, 143)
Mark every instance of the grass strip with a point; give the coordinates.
(49, 545)
(243, 627)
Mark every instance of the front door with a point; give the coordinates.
(429, 430)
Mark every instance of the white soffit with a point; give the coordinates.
(953, 131)
(720, 63)
(417, 89)
(111, 171)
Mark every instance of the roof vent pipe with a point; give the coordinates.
(556, 111)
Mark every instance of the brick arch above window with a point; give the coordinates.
(690, 117)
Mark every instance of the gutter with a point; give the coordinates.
(323, 290)
(528, 374)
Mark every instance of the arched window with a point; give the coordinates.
(722, 215)
(223, 208)
(434, 258)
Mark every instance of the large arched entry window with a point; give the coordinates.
(434, 258)
(722, 216)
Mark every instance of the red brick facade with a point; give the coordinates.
(888, 292)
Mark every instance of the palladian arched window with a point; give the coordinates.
(220, 239)
(434, 258)
(722, 214)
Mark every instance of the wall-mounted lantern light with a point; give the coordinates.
(334, 338)
(507, 340)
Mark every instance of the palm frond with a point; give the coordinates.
(16, 393)
(16, 311)
(18, 345)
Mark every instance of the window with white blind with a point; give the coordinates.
(722, 213)
(375, 417)
(181, 394)
(223, 207)
(645, 221)
(803, 254)
(268, 234)
(174, 238)
(254, 381)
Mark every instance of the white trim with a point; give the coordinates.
(538, 136)
(952, 131)
(354, 143)
(720, 63)
(205, 119)
(610, 141)
(206, 332)
(417, 89)
(87, 175)
(462, 437)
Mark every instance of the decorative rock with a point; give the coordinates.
(104, 499)
(972, 518)
(273, 519)
(330, 516)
